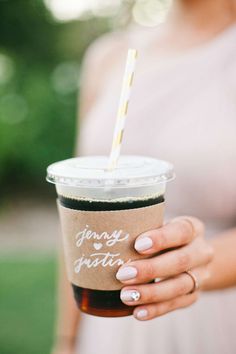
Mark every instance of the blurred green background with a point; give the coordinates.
(27, 304)
(42, 43)
(40, 62)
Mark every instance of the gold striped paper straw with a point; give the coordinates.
(123, 108)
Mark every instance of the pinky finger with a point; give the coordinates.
(151, 311)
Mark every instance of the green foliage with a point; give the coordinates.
(39, 73)
(27, 306)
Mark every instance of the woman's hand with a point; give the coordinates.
(186, 249)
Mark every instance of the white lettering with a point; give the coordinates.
(111, 239)
(103, 259)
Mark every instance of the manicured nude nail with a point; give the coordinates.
(141, 314)
(126, 273)
(143, 244)
(130, 295)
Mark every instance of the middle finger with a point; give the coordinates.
(163, 266)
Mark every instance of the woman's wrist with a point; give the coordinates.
(222, 268)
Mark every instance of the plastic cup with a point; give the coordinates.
(102, 212)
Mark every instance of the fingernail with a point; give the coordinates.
(143, 244)
(126, 273)
(130, 295)
(141, 314)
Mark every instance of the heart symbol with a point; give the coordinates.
(97, 246)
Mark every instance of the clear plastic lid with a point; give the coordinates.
(91, 172)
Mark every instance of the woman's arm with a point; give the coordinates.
(222, 269)
(68, 315)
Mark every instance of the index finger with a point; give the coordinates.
(179, 232)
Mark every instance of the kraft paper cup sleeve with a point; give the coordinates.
(97, 243)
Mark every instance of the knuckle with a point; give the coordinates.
(161, 239)
(186, 230)
(200, 227)
(185, 238)
(149, 296)
(197, 226)
(209, 253)
(148, 269)
(183, 261)
(206, 251)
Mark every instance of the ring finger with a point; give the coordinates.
(158, 292)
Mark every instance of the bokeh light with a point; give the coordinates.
(144, 12)
(151, 12)
(67, 10)
(6, 69)
(65, 77)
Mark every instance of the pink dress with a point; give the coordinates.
(182, 110)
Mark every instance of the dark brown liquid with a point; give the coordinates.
(104, 303)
